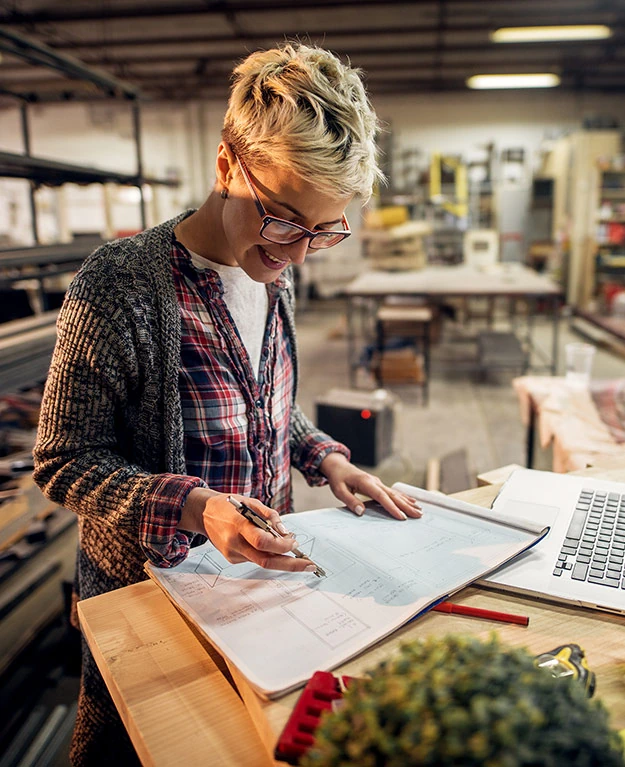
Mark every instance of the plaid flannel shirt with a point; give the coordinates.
(236, 426)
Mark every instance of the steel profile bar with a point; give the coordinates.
(45, 255)
(42, 55)
(53, 173)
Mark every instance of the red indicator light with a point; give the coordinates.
(365, 414)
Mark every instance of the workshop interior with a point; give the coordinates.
(465, 344)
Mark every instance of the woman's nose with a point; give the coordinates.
(298, 250)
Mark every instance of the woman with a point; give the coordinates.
(173, 380)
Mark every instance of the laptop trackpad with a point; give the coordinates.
(532, 569)
(536, 513)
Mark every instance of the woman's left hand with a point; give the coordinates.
(346, 479)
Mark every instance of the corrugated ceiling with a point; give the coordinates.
(186, 50)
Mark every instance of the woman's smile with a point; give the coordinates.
(270, 261)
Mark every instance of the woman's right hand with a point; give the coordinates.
(237, 538)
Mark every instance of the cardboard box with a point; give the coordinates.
(397, 366)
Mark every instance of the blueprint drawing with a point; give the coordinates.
(278, 628)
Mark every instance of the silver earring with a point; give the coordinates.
(224, 194)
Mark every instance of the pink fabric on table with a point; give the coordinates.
(609, 399)
(568, 419)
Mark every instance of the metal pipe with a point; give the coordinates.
(136, 128)
(203, 153)
(33, 201)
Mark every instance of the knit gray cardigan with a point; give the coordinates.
(111, 419)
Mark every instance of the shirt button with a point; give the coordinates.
(259, 402)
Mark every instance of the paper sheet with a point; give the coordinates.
(278, 628)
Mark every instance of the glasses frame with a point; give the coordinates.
(268, 219)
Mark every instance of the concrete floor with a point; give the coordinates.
(465, 410)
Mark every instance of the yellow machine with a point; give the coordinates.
(441, 165)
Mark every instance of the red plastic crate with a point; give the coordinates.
(299, 733)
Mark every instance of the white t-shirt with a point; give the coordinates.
(247, 302)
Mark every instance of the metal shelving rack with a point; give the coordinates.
(31, 591)
(41, 261)
(26, 348)
(26, 345)
(41, 171)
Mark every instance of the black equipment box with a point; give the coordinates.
(363, 421)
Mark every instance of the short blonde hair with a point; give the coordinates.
(301, 108)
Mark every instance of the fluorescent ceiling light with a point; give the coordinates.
(538, 80)
(550, 34)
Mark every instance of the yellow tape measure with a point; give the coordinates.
(568, 660)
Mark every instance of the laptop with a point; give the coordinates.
(580, 560)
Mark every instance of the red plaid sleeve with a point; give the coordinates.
(310, 453)
(309, 446)
(163, 544)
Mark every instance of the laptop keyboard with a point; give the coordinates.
(594, 546)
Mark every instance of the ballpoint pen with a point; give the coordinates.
(264, 524)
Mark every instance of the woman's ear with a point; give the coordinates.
(224, 165)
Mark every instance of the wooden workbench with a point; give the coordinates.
(175, 695)
(569, 423)
(438, 283)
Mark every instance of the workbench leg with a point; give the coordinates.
(350, 343)
(531, 308)
(530, 436)
(555, 302)
(490, 312)
(379, 352)
(426, 362)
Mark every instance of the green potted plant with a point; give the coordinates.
(459, 701)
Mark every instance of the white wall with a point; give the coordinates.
(177, 140)
(183, 138)
(459, 123)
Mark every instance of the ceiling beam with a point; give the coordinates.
(386, 70)
(281, 34)
(13, 94)
(390, 88)
(414, 58)
(200, 90)
(106, 11)
(156, 81)
(360, 52)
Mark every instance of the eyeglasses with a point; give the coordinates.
(283, 232)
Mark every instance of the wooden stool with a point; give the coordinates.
(405, 322)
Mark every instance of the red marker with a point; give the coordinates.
(478, 612)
